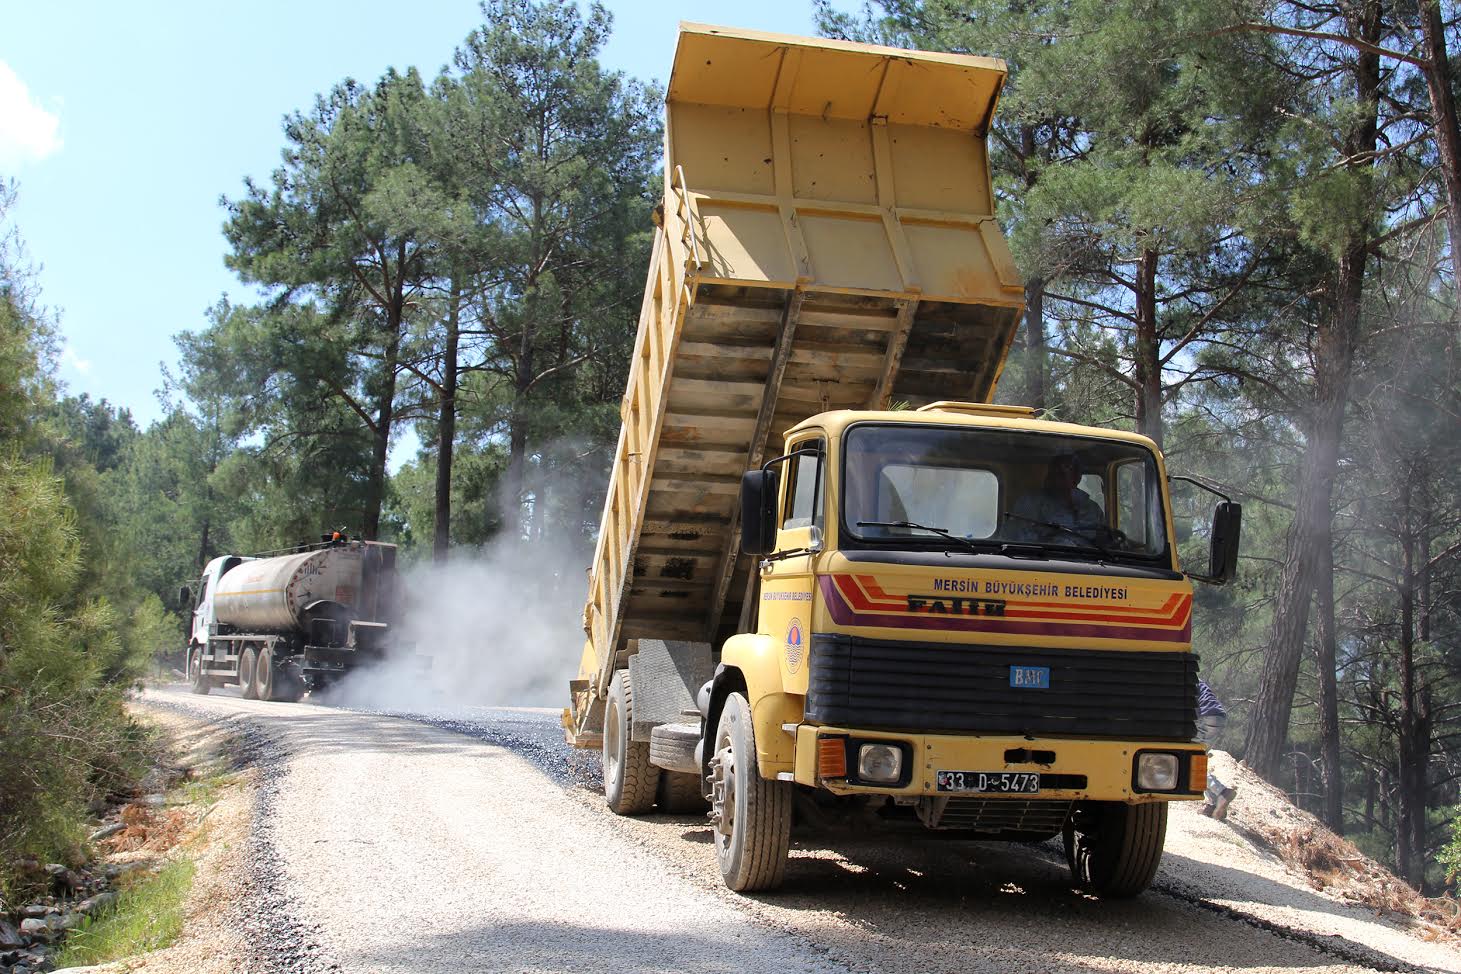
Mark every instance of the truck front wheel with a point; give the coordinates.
(751, 816)
(1113, 848)
(198, 681)
(629, 778)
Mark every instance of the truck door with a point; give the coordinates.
(202, 608)
(787, 582)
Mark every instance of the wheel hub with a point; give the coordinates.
(723, 791)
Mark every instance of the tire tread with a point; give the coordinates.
(679, 793)
(640, 778)
(1120, 857)
(767, 839)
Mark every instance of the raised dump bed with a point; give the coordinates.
(827, 241)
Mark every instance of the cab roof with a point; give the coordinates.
(974, 415)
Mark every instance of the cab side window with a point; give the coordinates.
(804, 486)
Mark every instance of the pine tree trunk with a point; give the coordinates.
(1329, 748)
(1333, 363)
(203, 545)
(1410, 815)
(517, 435)
(1037, 357)
(1447, 129)
(1310, 530)
(380, 452)
(517, 454)
(1147, 352)
(446, 425)
(385, 411)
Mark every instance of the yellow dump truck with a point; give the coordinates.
(834, 585)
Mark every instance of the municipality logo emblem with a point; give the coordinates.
(795, 645)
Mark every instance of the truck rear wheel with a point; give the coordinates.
(679, 794)
(198, 681)
(265, 678)
(751, 815)
(629, 778)
(247, 662)
(1113, 848)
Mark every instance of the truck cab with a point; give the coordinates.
(205, 612)
(969, 619)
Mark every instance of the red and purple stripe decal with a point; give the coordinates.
(858, 600)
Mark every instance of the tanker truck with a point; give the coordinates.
(282, 626)
(835, 585)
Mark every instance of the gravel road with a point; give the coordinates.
(479, 842)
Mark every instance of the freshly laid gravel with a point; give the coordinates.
(478, 842)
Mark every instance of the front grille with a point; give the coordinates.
(996, 815)
(961, 689)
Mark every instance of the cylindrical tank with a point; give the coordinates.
(270, 594)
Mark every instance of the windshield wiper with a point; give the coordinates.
(1090, 540)
(924, 527)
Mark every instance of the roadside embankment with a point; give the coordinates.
(163, 879)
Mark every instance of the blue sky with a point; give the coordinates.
(123, 123)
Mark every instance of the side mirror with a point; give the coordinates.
(185, 597)
(1227, 522)
(758, 512)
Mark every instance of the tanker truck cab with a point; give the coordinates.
(967, 619)
(204, 612)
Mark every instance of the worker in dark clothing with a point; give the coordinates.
(1059, 512)
(1212, 716)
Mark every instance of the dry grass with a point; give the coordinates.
(151, 829)
(1329, 862)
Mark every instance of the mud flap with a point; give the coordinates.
(666, 676)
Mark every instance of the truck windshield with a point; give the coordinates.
(1081, 496)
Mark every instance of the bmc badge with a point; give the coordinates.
(795, 645)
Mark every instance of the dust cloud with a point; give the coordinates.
(497, 627)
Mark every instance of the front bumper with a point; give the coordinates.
(1069, 769)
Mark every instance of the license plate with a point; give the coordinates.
(990, 782)
(1030, 677)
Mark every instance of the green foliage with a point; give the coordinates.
(27, 336)
(62, 671)
(73, 628)
(476, 513)
(1450, 855)
(147, 916)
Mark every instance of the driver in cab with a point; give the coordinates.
(1059, 512)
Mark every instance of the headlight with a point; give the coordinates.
(879, 763)
(1156, 772)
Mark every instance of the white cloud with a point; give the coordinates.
(81, 365)
(28, 133)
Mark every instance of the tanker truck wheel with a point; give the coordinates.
(1114, 849)
(751, 816)
(247, 665)
(198, 682)
(275, 680)
(265, 679)
(629, 778)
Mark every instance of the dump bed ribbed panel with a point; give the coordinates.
(827, 241)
